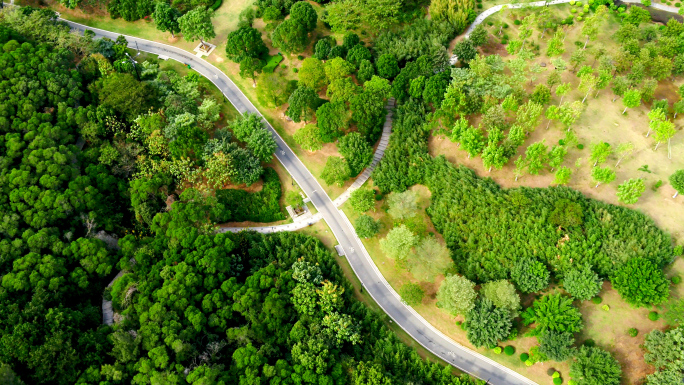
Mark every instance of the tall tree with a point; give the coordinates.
(302, 103)
(166, 18)
(249, 68)
(303, 13)
(677, 182)
(196, 24)
(244, 42)
(631, 99)
(582, 283)
(398, 242)
(456, 295)
(290, 36)
(487, 324)
(602, 175)
(594, 366)
(336, 171)
(600, 152)
(641, 282)
(630, 190)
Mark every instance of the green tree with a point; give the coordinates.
(503, 295)
(403, 205)
(274, 90)
(398, 242)
(428, 259)
(602, 175)
(337, 68)
(249, 68)
(556, 345)
(472, 141)
(166, 18)
(535, 157)
(595, 366)
(465, 50)
(366, 227)
(600, 152)
(356, 151)
(541, 94)
(486, 325)
(336, 171)
(311, 74)
(530, 275)
(262, 144)
(125, 94)
(582, 283)
(388, 67)
(362, 199)
(677, 182)
(592, 24)
(562, 176)
(245, 42)
(333, 119)
(640, 282)
(623, 151)
(631, 99)
(456, 295)
(553, 312)
(366, 71)
(290, 36)
(411, 293)
(302, 104)
(630, 190)
(304, 14)
(196, 24)
(309, 137)
(664, 351)
(556, 46)
(357, 54)
(479, 36)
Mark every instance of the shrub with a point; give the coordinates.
(633, 332)
(505, 25)
(479, 5)
(295, 70)
(529, 363)
(300, 57)
(216, 5)
(557, 381)
(605, 307)
(262, 206)
(497, 350)
(653, 316)
(597, 300)
(509, 350)
(555, 374)
(589, 343)
(517, 22)
(580, 146)
(524, 357)
(676, 280)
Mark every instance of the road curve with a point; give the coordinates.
(457, 355)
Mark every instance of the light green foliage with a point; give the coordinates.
(196, 24)
(312, 74)
(630, 191)
(411, 293)
(640, 282)
(398, 242)
(677, 182)
(486, 324)
(556, 345)
(556, 46)
(562, 176)
(428, 259)
(553, 312)
(535, 157)
(665, 351)
(348, 15)
(600, 152)
(337, 68)
(503, 295)
(595, 366)
(336, 171)
(472, 141)
(362, 199)
(309, 137)
(557, 155)
(582, 283)
(631, 99)
(294, 199)
(366, 226)
(602, 175)
(456, 295)
(290, 36)
(403, 205)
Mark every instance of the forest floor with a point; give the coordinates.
(225, 21)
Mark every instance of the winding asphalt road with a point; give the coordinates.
(465, 359)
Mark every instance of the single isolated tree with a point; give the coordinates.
(250, 68)
(677, 182)
(303, 13)
(428, 259)
(196, 24)
(336, 171)
(244, 42)
(631, 99)
(166, 18)
(456, 295)
(624, 150)
(562, 176)
(309, 137)
(630, 191)
(411, 294)
(602, 175)
(600, 152)
(362, 199)
(479, 36)
(366, 227)
(398, 242)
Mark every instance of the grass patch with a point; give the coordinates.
(272, 62)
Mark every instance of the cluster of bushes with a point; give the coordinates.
(262, 206)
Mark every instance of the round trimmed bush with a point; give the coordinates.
(509, 350)
(497, 350)
(517, 22)
(550, 371)
(479, 5)
(573, 10)
(653, 316)
(557, 381)
(524, 357)
(529, 363)
(676, 280)
(633, 332)
(589, 343)
(561, 142)
(678, 5)
(579, 18)
(580, 146)
(597, 300)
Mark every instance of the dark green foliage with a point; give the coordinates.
(130, 10)
(597, 300)
(633, 332)
(282, 5)
(553, 312)
(530, 275)
(488, 229)
(509, 350)
(366, 226)
(303, 13)
(404, 160)
(556, 345)
(357, 54)
(290, 36)
(262, 206)
(322, 49)
(166, 18)
(125, 94)
(303, 103)
(245, 42)
(388, 67)
(333, 118)
(582, 283)
(356, 151)
(566, 214)
(524, 357)
(595, 366)
(641, 283)
(676, 280)
(422, 37)
(653, 316)
(465, 50)
(487, 324)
